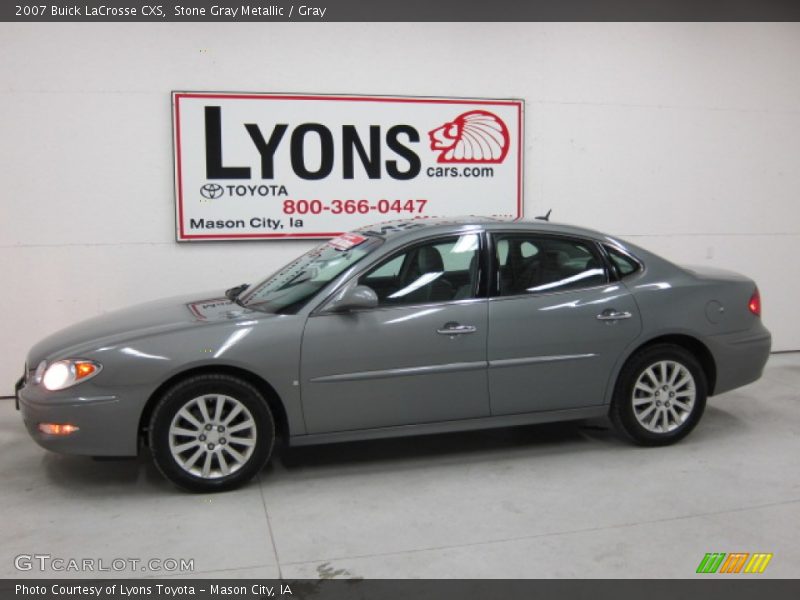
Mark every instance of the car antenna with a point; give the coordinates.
(545, 217)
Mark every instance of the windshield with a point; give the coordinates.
(295, 284)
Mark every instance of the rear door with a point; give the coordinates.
(557, 324)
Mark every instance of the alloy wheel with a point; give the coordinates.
(212, 436)
(664, 396)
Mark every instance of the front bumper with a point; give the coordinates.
(104, 428)
(17, 387)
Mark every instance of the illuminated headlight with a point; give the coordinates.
(66, 373)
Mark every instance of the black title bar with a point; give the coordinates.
(398, 10)
(708, 588)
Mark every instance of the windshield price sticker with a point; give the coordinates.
(347, 241)
(271, 166)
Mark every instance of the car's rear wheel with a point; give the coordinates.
(660, 395)
(211, 433)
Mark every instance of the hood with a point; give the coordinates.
(150, 318)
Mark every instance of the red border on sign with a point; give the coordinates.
(239, 96)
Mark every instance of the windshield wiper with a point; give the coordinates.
(232, 294)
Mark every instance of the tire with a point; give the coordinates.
(660, 395)
(216, 450)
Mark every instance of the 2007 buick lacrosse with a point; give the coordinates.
(412, 327)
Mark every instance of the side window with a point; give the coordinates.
(502, 251)
(526, 250)
(624, 264)
(530, 264)
(389, 269)
(438, 271)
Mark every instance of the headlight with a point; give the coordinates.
(66, 373)
(39, 373)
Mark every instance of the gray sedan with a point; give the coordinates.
(404, 328)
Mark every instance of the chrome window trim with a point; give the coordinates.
(323, 313)
(555, 293)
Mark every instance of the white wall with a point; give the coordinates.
(684, 138)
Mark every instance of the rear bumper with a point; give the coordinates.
(740, 357)
(103, 428)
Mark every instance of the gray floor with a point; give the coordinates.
(546, 501)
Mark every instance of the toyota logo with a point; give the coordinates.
(211, 191)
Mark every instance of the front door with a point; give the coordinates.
(419, 357)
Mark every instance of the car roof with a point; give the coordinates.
(411, 228)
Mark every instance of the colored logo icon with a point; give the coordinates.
(734, 562)
(477, 136)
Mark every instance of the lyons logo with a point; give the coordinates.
(735, 562)
(477, 136)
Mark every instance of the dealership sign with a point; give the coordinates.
(263, 166)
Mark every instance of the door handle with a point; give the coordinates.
(456, 329)
(613, 315)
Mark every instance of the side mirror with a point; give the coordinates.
(359, 296)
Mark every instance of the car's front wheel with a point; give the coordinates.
(211, 432)
(660, 395)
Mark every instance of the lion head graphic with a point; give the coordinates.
(477, 136)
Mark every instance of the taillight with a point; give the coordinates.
(755, 303)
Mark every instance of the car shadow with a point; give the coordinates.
(541, 440)
(470, 446)
(97, 477)
(88, 477)
(718, 423)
